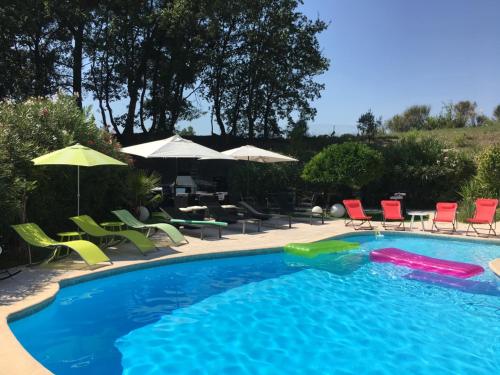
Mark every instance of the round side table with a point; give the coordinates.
(113, 226)
(419, 213)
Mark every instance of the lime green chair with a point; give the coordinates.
(89, 226)
(128, 219)
(35, 236)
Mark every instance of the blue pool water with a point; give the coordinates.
(278, 314)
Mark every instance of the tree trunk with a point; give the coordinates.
(218, 117)
(77, 64)
(128, 128)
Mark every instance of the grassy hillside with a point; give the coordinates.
(470, 140)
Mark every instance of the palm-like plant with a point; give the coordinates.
(140, 186)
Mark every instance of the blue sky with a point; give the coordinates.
(389, 54)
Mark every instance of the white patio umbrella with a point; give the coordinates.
(259, 155)
(174, 147)
(256, 154)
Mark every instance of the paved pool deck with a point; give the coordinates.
(37, 286)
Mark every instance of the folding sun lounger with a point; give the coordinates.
(201, 224)
(484, 214)
(128, 219)
(254, 212)
(391, 211)
(89, 226)
(356, 213)
(445, 213)
(174, 212)
(217, 212)
(35, 236)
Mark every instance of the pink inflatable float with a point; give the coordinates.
(424, 263)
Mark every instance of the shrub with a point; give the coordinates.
(258, 180)
(47, 194)
(348, 164)
(469, 192)
(486, 184)
(425, 169)
(488, 168)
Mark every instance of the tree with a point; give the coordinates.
(262, 66)
(464, 113)
(496, 113)
(413, 118)
(73, 16)
(187, 131)
(298, 129)
(348, 164)
(368, 126)
(144, 61)
(32, 51)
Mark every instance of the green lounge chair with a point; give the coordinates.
(128, 219)
(35, 236)
(89, 226)
(202, 224)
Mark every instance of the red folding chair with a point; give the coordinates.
(391, 211)
(356, 213)
(484, 214)
(446, 212)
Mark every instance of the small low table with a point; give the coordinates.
(252, 221)
(113, 226)
(70, 236)
(419, 213)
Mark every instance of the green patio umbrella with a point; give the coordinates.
(80, 156)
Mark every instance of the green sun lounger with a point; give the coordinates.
(35, 236)
(164, 216)
(89, 226)
(128, 219)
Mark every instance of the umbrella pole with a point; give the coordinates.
(175, 177)
(248, 176)
(78, 190)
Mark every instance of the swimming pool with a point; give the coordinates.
(277, 314)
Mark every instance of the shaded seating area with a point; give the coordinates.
(89, 226)
(391, 212)
(218, 213)
(33, 235)
(484, 214)
(355, 212)
(172, 232)
(446, 212)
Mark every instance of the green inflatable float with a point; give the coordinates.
(311, 249)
